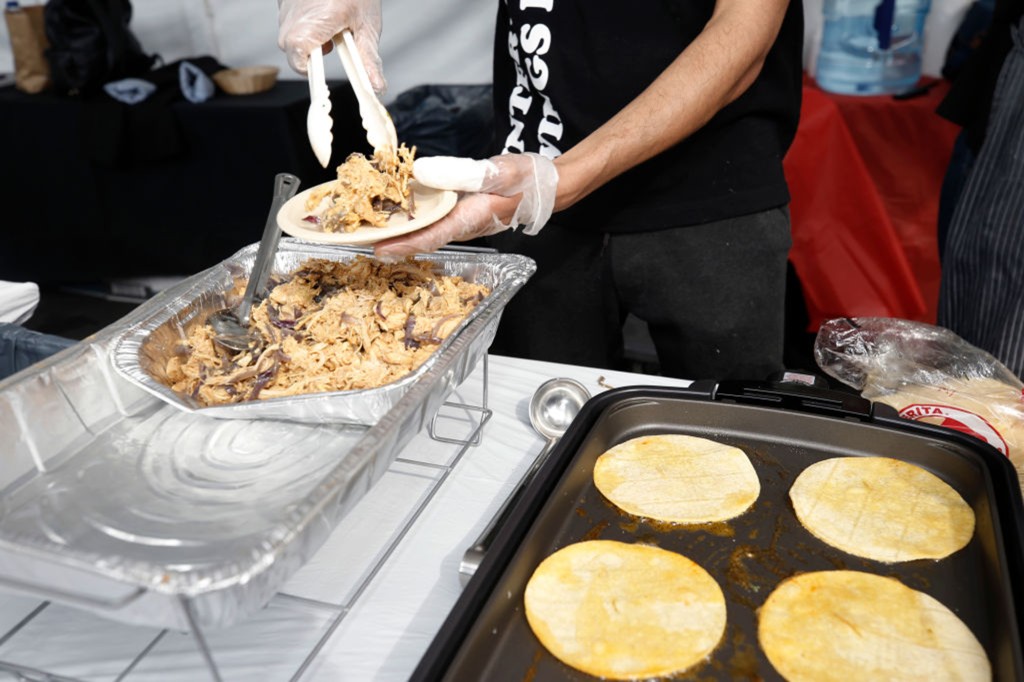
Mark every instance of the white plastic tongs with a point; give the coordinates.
(380, 129)
(318, 120)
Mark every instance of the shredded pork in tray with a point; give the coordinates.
(366, 193)
(331, 326)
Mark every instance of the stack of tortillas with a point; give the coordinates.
(986, 408)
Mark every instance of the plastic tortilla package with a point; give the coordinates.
(929, 374)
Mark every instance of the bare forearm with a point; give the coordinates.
(716, 68)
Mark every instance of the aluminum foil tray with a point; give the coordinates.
(122, 503)
(141, 353)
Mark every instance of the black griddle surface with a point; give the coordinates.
(487, 636)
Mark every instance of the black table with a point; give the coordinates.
(94, 190)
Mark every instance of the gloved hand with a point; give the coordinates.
(501, 193)
(308, 24)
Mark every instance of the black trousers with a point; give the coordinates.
(713, 296)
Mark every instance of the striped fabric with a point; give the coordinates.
(981, 297)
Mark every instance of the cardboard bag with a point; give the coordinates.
(28, 43)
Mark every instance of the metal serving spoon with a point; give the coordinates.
(553, 406)
(232, 325)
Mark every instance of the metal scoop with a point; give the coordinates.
(553, 406)
(232, 325)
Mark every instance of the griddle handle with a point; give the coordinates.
(797, 396)
(474, 554)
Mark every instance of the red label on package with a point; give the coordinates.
(957, 419)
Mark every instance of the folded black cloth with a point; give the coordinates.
(115, 134)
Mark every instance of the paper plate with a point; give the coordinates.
(429, 206)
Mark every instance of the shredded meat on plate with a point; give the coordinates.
(331, 326)
(367, 192)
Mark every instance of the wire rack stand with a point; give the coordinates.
(472, 418)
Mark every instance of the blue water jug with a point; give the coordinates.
(871, 47)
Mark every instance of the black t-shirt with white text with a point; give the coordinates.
(564, 67)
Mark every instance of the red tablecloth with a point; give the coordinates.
(865, 175)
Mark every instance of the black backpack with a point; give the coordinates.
(91, 44)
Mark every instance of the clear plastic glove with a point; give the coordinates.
(308, 24)
(500, 193)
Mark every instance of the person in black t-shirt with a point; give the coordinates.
(649, 139)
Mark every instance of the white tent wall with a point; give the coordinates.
(423, 41)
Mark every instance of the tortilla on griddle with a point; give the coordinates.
(677, 478)
(849, 625)
(624, 611)
(881, 508)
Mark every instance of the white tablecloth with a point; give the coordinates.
(18, 300)
(368, 604)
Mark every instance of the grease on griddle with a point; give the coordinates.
(742, 663)
(595, 532)
(531, 672)
(630, 523)
(751, 571)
